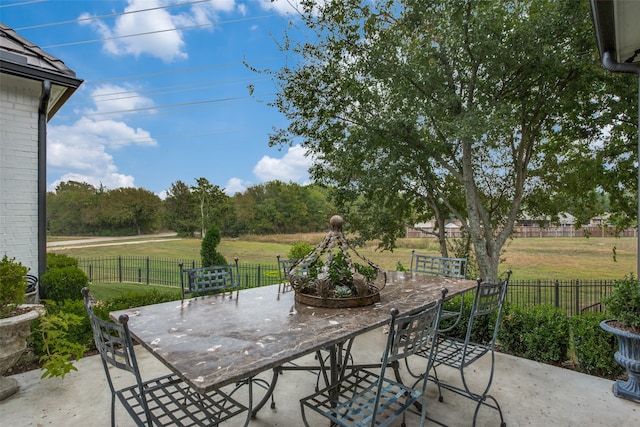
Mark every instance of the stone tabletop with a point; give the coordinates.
(216, 340)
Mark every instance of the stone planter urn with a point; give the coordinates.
(627, 356)
(13, 342)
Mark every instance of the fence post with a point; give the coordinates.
(147, 270)
(91, 272)
(139, 275)
(557, 293)
(577, 297)
(120, 269)
(259, 275)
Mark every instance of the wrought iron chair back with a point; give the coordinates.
(205, 280)
(439, 266)
(165, 400)
(366, 398)
(446, 267)
(284, 268)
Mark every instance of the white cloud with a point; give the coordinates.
(293, 166)
(108, 98)
(82, 150)
(166, 45)
(236, 185)
(157, 28)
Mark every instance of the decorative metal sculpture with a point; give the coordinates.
(328, 276)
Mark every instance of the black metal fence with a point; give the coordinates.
(573, 296)
(165, 272)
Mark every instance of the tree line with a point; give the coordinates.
(77, 208)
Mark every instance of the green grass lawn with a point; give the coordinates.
(529, 258)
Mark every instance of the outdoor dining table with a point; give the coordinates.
(217, 340)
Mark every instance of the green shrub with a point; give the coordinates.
(63, 283)
(594, 347)
(623, 304)
(208, 252)
(540, 333)
(132, 299)
(300, 250)
(60, 261)
(12, 285)
(79, 332)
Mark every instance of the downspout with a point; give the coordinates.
(42, 177)
(610, 64)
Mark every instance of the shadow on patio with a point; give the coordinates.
(530, 393)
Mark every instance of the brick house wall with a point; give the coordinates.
(19, 99)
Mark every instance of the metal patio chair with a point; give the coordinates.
(445, 267)
(208, 280)
(162, 401)
(366, 398)
(284, 267)
(460, 354)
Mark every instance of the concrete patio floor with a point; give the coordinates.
(530, 393)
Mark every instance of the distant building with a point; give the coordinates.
(33, 87)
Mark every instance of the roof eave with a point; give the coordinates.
(8, 65)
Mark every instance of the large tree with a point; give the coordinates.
(213, 204)
(449, 108)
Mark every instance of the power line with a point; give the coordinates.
(21, 4)
(111, 15)
(181, 70)
(231, 21)
(164, 90)
(184, 104)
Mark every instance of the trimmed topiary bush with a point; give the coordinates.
(208, 252)
(59, 284)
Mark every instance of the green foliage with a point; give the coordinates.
(59, 284)
(76, 332)
(60, 349)
(13, 285)
(594, 347)
(55, 260)
(401, 267)
(623, 304)
(459, 83)
(180, 213)
(300, 250)
(275, 208)
(210, 256)
(130, 300)
(81, 209)
(539, 333)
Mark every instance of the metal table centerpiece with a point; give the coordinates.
(328, 276)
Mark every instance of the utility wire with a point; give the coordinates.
(231, 21)
(182, 70)
(111, 15)
(21, 4)
(167, 106)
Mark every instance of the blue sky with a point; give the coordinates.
(172, 104)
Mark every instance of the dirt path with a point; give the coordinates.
(110, 241)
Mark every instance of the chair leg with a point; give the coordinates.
(113, 410)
